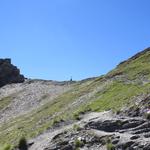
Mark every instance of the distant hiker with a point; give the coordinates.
(71, 79)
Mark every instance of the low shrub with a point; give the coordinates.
(78, 143)
(76, 127)
(23, 144)
(110, 146)
(76, 116)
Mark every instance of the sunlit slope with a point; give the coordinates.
(114, 90)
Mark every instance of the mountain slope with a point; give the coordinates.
(30, 108)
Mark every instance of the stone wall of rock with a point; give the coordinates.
(9, 73)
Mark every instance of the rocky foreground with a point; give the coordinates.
(128, 129)
(97, 131)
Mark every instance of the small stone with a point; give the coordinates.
(135, 137)
(115, 141)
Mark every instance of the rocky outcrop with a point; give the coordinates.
(116, 133)
(9, 73)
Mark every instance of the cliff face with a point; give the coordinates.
(9, 73)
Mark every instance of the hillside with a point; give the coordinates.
(40, 110)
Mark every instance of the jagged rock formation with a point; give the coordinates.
(100, 133)
(9, 73)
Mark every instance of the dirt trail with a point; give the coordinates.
(43, 140)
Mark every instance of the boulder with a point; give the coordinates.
(9, 73)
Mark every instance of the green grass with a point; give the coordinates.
(111, 94)
(6, 147)
(4, 102)
(117, 96)
(134, 69)
(78, 143)
(114, 96)
(76, 127)
(110, 146)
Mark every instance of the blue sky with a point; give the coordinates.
(56, 39)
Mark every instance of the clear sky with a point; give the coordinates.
(56, 39)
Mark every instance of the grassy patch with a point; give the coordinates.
(110, 146)
(78, 143)
(4, 102)
(76, 127)
(117, 96)
(6, 147)
(134, 69)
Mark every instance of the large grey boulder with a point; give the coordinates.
(9, 73)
